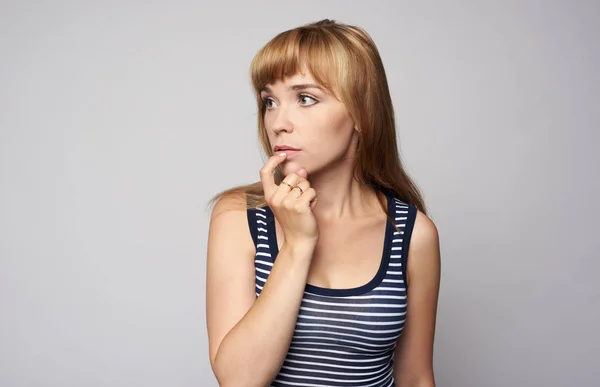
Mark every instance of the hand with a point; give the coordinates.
(291, 206)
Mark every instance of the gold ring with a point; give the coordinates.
(283, 182)
(301, 191)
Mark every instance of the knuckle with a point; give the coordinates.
(275, 201)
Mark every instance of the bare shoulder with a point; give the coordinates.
(229, 203)
(425, 233)
(229, 217)
(424, 248)
(229, 236)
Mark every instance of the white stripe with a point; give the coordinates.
(377, 323)
(376, 296)
(343, 334)
(286, 383)
(351, 347)
(335, 365)
(350, 305)
(352, 312)
(339, 359)
(264, 262)
(330, 373)
(393, 281)
(336, 340)
(328, 379)
(394, 289)
(351, 328)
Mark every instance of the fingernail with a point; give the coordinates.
(282, 154)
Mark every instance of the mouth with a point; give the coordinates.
(285, 149)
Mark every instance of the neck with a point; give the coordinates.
(340, 196)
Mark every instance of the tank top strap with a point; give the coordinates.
(260, 222)
(404, 216)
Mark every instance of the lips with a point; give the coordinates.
(283, 148)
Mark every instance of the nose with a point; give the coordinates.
(281, 120)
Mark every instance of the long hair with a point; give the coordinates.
(344, 60)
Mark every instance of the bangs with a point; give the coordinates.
(299, 50)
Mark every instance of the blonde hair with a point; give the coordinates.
(344, 60)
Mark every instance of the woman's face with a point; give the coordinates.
(299, 114)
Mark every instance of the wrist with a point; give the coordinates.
(300, 249)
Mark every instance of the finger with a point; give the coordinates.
(299, 189)
(266, 173)
(286, 185)
(302, 172)
(309, 198)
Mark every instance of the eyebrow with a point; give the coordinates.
(296, 87)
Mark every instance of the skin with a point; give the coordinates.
(344, 221)
(320, 125)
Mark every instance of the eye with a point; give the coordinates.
(267, 101)
(304, 97)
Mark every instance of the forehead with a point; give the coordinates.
(297, 78)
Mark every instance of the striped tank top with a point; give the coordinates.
(343, 337)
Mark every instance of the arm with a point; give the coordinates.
(248, 336)
(413, 358)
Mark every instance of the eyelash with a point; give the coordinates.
(300, 96)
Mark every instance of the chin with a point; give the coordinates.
(292, 166)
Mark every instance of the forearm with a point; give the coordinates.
(422, 383)
(414, 381)
(253, 351)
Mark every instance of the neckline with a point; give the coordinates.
(339, 292)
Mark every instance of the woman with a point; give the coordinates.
(326, 272)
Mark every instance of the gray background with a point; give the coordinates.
(119, 120)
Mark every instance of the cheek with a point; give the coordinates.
(339, 131)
